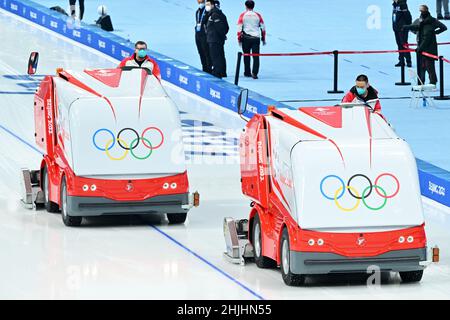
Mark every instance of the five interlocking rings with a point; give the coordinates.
(364, 195)
(128, 148)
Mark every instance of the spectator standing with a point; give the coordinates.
(401, 17)
(72, 8)
(439, 5)
(216, 34)
(427, 29)
(200, 36)
(251, 31)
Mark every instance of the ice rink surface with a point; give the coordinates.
(144, 258)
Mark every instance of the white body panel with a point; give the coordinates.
(82, 114)
(302, 160)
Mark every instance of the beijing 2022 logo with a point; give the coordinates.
(140, 147)
(380, 191)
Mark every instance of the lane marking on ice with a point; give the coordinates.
(243, 286)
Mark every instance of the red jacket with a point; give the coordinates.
(148, 63)
(352, 96)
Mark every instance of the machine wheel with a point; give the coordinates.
(288, 277)
(177, 218)
(411, 276)
(260, 260)
(68, 220)
(49, 206)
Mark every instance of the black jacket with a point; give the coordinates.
(198, 16)
(400, 15)
(216, 27)
(427, 29)
(105, 23)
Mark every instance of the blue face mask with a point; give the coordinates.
(201, 5)
(142, 53)
(361, 91)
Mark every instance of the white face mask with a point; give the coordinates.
(208, 8)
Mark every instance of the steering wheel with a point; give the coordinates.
(128, 68)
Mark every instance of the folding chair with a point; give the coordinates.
(421, 92)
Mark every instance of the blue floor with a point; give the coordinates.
(168, 26)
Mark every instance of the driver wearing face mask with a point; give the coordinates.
(362, 92)
(140, 59)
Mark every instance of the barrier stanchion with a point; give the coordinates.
(441, 96)
(335, 73)
(418, 62)
(238, 68)
(402, 77)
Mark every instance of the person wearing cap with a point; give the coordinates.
(140, 59)
(427, 30)
(401, 17)
(362, 91)
(251, 31)
(216, 33)
(200, 36)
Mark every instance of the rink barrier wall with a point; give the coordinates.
(434, 181)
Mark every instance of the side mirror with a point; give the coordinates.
(33, 63)
(242, 101)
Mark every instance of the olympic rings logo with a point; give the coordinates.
(360, 197)
(131, 146)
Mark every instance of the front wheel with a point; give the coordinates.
(285, 256)
(177, 218)
(411, 276)
(68, 220)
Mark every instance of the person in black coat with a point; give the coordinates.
(216, 33)
(104, 21)
(401, 17)
(427, 30)
(200, 36)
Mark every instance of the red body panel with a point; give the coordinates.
(44, 115)
(275, 215)
(254, 164)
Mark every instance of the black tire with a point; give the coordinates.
(288, 277)
(68, 220)
(49, 206)
(177, 218)
(411, 276)
(260, 260)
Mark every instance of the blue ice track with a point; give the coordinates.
(20, 139)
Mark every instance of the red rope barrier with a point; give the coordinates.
(296, 54)
(376, 51)
(426, 54)
(407, 45)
